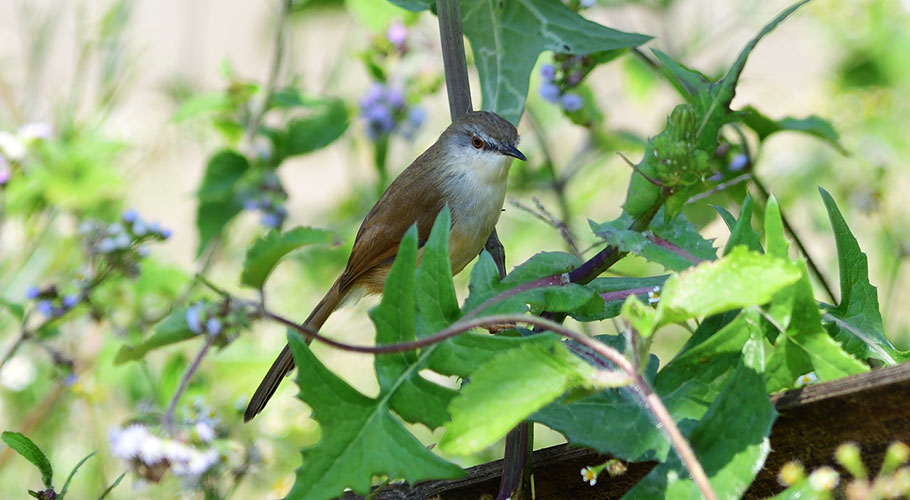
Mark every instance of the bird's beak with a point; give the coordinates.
(514, 153)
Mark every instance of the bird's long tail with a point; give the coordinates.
(284, 363)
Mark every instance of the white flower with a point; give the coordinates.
(11, 146)
(37, 130)
(654, 295)
(804, 380)
(824, 479)
(127, 443)
(204, 431)
(18, 373)
(152, 451)
(589, 475)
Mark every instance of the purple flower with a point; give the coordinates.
(574, 79)
(397, 34)
(165, 233)
(547, 71)
(271, 220)
(416, 116)
(32, 292)
(549, 91)
(194, 318)
(571, 102)
(45, 307)
(106, 245)
(394, 97)
(130, 216)
(213, 326)
(139, 227)
(5, 173)
(70, 301)
(250, 204)
(373, 95)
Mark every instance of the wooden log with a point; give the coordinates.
(871, 409)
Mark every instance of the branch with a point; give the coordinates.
(277, 56)
(168, 421)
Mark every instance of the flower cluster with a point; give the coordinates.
(151, 456)
(14, 147)
(555, 87)
(384, 110)
(215, 318)
(122, 243)
(51, 303)
(269, 198)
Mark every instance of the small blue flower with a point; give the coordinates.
(271, 220)
(154, 227)
(739, 162)
(70, 380)
(45, 307)
(32, 292)
(139, 227)
(115, 229)
(106, 245)
(70, 301)
(549, 91)
(142, 251)
(548, 71)
(250, 204)
(416, 116)
(213, 326)
(572, 102)
(122, 241)
(165, 233)
(130, 216)
(587, 4)
(194, 318)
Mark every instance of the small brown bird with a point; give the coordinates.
(466, 169)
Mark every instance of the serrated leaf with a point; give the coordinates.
(30, 451)
(863, 335)
(812, 125)
(740, 279)
(217, 201)
(730, 441)
(674, 244)
(319, 128)
(264, 254)
(507, 390)
(171, 330)
(360, 437)
(508, 37)
(687, 385)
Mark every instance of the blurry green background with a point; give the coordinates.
(112, 75)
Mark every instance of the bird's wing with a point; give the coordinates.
(380, 233)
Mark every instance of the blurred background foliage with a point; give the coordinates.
(112, 106)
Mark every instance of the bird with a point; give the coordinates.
(466, 169)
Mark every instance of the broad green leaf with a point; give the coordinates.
(435, 299)
(69, 478)
(171, 330)
(687, 385)
(860, 330)
(740, 279)
(730, 441)
(812, 125)
(360, 437)
(673, 244)
(414, 398)
(507, 390)
(318, 129)
(218, 203)
(741, 232)
(508, 37)
(804, 345)
(264, 254)
(30, 451)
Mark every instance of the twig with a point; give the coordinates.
(720, 187)
(168, 421)
(546, 217)
(253, 125)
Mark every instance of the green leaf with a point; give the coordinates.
(740, 279)
(264, 254)
(812, 125)
(113, 485)
(66, 485)
(741, 232)
(687, 385)
(413, 5)
(377, 16)
(730, 441)
(15, 309)
(360, 437)
(860, 328)
(217, 201)
(318, 129)
(171, 330)
(674, 243)
(804, 345)
(25, 447)
(507, 390)
(612, 293)
(508, 37)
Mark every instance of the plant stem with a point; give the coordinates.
(453, 58)
(168, 421)
(274, 68)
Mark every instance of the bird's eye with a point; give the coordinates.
(477, 142)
